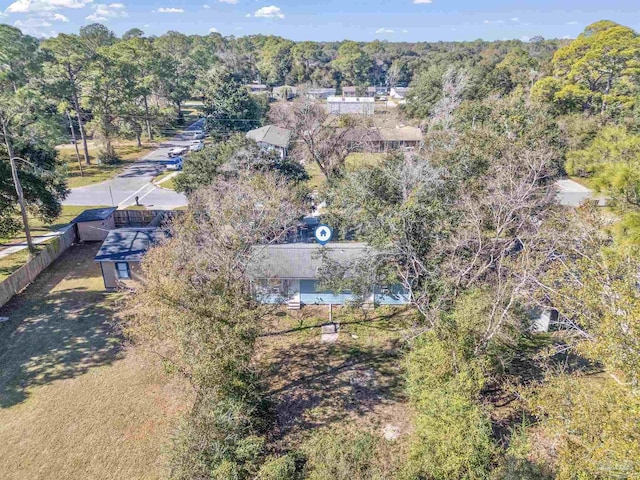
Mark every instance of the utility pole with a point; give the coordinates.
(18, 186)
(75, 143)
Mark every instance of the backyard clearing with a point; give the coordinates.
(353, 382)
(73, 403)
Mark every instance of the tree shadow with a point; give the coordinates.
(55, 334)
(315, 384)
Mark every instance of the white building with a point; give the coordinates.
(351, 105)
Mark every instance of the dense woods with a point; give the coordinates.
(468, 224)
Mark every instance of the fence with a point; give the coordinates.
(141, 218)
(26, 274)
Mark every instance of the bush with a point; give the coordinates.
(108, 157)
(346, 456)
(286, 467)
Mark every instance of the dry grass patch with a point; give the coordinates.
(73, 404)
(127, 150)
(354, 383)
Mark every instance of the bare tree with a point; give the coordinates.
(454, 84)
(317, 139)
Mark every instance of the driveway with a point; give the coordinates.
(137, 181)
(572, 194)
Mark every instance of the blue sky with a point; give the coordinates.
(393, 20)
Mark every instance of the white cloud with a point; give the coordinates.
(269, 12)
(383, 30)
(213, 30)
(35, 26)
(515, 19)
(168, 10)
(421, 1)
(572, 22)
(31, 6)
(233, 2)
(104, 12)
(205, 6)
(567, 37)
(405, 30)
(248, 15)
(58, 17)
(525, 38)
(497, 22)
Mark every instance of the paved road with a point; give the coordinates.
(136, 180)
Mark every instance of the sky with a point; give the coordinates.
(326, 20)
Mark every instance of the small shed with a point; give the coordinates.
(94, 224)
(122, 251)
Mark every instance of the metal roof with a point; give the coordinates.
(272, 135)
(350, 100)
(94, 215)
(128, 244)
(301, 260)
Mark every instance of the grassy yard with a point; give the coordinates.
(169, 184)
(128, 151)
(366, 159)
(11, 263)
(354, 383)
(316, 178)
(73, 403)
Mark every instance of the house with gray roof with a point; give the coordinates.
(291, 274)
(122, 251)
(95, 223)
(319, 93)
(272, 137)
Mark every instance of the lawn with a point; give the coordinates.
(357, 160)
(169, 184)
(128, 151)
(354, 383)
(316, 177)
(73, 403)
(11, 263)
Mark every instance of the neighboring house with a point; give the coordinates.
(383, 139)
(351, 105)
(289, 274)
(284, 93)
(399, 93)
(349, 91)
(353, 91)
(320, 93)
(271, 137)
(94, 224)
(257, 88)
(121, 253)
(378, 91)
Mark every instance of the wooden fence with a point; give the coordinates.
(26, 274)
(141, 218)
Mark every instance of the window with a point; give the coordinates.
(122, 270)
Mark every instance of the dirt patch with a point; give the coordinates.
(356, 381)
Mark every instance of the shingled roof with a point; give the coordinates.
(128, 244)
(94, 215)
(302, 260)
(271, 135)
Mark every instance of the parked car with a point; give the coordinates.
(196, 146)
(198, 135)
(177, 151)
(175, 164)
